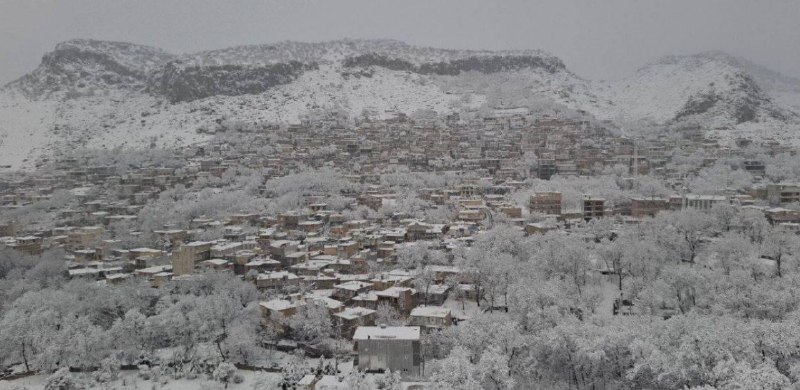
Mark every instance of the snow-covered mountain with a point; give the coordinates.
(109, 94)
(80, 65)
(713, 89)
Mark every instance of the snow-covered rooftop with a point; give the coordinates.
(430, 311)
(387, 332)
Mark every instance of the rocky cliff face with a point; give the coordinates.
(709, 89)
(180, 83)
(80, 65)
(743, 101)
(483, 64)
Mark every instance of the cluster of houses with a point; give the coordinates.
(551, 204)
(313, 255)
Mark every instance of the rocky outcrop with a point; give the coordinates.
(179, 83)
(484, 64)
(78, 65)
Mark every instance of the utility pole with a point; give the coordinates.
(635, 159)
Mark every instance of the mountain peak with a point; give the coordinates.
(79, 64)
(766, 78)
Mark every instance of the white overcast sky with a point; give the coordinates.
(598, 39)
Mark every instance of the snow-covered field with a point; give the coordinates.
(129, 380)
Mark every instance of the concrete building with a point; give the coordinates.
(783, 193)
(31, 245)
(381, 348)
(593, 207)
(546, 169)
(188, 255)
(546, 203)
(401, 298)
(779, 215)
(692, 201)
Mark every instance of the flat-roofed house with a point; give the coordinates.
(368, 300)
(84, 237)
(430, 317)
(347, 290)
(436, 294)
(278, 311)
(277, 279)
(215, 264)
(262, 264)
(401, 298)
(145, 257)
(346, 321)
(28, 244)
(778, 215)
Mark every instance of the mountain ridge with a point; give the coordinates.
(76, 63)
(108, 94)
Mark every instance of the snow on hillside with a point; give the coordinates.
(659, 91)
(105, 94)
(34, 128)
(384, 94)
(788, 99)
(130, 121)
(768, 79)
(80, 67)
(784, 90)
(728, 96)
(24, 129)
(135, 120)
(136, 57)
(335, 51)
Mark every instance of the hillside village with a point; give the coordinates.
(383, 245)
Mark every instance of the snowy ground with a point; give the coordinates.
(24, 128)
(610, 292)
(129, 380)
(31, 129)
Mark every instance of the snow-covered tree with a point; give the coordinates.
(311, 323)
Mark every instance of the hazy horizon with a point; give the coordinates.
(607, 40)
